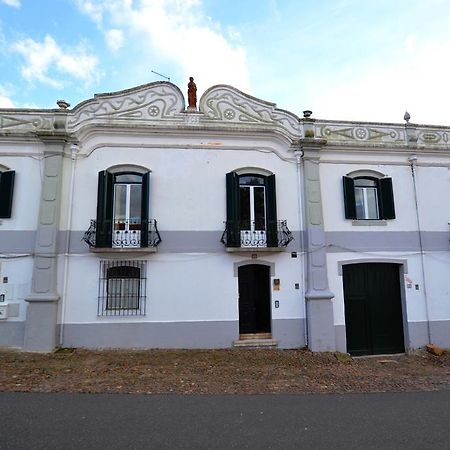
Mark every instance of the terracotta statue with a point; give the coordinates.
(192, 93)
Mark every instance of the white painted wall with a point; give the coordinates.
(433, 186)
(183, 287)
(27, 188)
(19, 272)
(187, 187)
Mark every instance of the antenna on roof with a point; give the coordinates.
(161, 75)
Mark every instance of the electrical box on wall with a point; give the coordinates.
(3, 310)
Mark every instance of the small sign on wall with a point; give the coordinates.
(276, 284)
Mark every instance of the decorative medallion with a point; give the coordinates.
(360, 133)
(153, 111)
(229, 114)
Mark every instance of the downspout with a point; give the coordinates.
(298, 156)
(73, 156)
(412, 161)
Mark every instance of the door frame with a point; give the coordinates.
(402, 271)
(260, 262)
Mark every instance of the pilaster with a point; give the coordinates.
(320, 319)
(40, 325)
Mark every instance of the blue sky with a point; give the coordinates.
(343, 59)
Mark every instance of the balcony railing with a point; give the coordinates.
(123, 234)
(246, 235)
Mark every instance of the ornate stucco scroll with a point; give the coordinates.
(226, 104)
(148, 103)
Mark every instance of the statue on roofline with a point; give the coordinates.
(192, 94)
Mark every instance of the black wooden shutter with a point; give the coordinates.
(386, 199)
(145, 199)
(105, 194)
(6, 193)
(349, 198)
(233, 210)
(271, 212)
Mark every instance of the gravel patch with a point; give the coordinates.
(231, 371)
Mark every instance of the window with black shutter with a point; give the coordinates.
(6, 193)
(251, 210)
(368, 198)
(122, 209)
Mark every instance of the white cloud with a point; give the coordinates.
(42, 58)
(180, 33)
(13, 3)
(92, 8)
(114, 39)
(5, 101)
(416, 79)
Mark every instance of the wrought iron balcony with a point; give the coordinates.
(122, 234)
(251, 234)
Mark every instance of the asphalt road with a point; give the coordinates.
(418, 420)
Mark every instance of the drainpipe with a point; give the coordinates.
(412, 161)
(298, 156)
(73, 156)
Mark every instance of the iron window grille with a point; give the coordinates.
(278, 235)
(126, 234)
(122, 288)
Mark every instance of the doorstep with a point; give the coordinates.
(255, 343)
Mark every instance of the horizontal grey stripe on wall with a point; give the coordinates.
(336, 241)
(361, 241)
(202, 334)
(11, 334)
(340, 338)
(172, 242)
(216, 334)
(289, 333)
(17, 241)
(209, 241)
(440, 332)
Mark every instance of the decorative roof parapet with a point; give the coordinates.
(221, 107)
(226, 104)
(373, 134)
(153, 102)
(31, 121)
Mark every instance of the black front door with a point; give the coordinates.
(254, 299)
(373, 309)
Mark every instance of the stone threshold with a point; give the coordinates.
(255, 343)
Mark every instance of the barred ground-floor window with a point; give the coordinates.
(122, 288)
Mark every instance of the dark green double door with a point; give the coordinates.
(373, 309)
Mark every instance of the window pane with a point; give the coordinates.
(260, 217)
(251, 180)
(123, 293)
(128, 178)
(365, 182)
(359, 203)
(135, 203)
(120, 200)
(372, 203)
(113, 292)
(245, 208)
(366, 203)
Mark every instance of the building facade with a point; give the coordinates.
(131, 221)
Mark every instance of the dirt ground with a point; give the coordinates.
(219, 372)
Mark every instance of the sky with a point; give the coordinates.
(362, 60)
